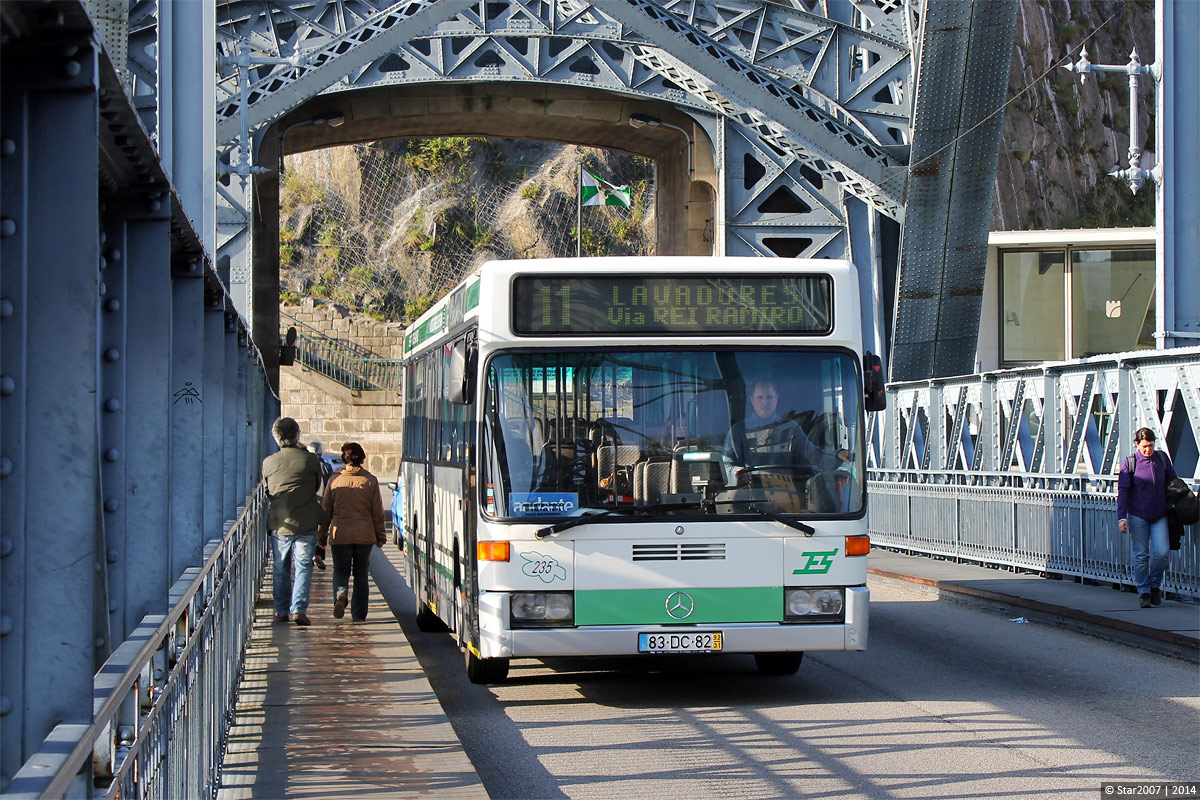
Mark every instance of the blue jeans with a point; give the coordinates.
(353, 559)
(293, 554)
(1151, 549)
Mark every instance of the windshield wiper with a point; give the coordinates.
(807, 530)
(583, 519)
(571, 522)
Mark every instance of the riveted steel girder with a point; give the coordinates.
(957, 126)
(803, 112)
(822, 91)
(311, 72)
(794, 118)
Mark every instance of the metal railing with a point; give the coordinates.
(348, 364)
(1018, 468)
(164, 700)
(1067, 531)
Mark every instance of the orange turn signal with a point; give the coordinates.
(492, 551)
(858, 545)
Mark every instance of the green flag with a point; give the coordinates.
(595, 191)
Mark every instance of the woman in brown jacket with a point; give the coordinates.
(355, 513)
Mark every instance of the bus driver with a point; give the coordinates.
(763, 439)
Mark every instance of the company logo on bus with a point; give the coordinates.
(817, 563)
(680, 605)
(543, 504)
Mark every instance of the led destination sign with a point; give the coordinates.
(629, 304)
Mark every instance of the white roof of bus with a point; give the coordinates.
(418, 331)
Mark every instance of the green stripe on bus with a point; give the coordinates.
(440, 569)
(427, 329)
(472, 298)
(650, 606)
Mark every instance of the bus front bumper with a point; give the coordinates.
(499, 640)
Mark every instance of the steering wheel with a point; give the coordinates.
(746, 474)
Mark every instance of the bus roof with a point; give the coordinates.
(462, 302)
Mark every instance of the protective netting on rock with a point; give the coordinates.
(386, 228)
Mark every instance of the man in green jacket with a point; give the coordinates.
(293, 476)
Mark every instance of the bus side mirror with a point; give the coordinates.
(874, 386)
(462, 373)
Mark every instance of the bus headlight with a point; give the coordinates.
(542, 609)
(816, 605)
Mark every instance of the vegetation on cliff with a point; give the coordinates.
(385, 228)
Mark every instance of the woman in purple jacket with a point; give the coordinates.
(1142, 512)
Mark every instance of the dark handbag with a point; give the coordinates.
(1174, 530)
(1183, 501)
(1185, 510)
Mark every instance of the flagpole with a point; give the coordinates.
(579, 211)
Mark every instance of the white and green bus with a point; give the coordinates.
(639, 455)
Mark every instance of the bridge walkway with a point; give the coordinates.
(1098, 610)
(343, 709)
(340, 709)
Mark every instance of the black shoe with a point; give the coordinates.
(1156, 597)
(1144, 600)
(281, 617)
(301, 619)
(339, 607)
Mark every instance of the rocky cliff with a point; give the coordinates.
(1063, 137)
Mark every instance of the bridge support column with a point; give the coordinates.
(1179, 191)
(236, 409)
(187, 109)
(187, 417)
(49, 457)
(213, 391)
(110, 606)
(147, 387)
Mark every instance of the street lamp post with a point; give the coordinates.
(334, 119)
(647, 121)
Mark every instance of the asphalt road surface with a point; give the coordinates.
(950, 701)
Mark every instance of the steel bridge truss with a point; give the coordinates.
(1019, 467)
(811, 108)
(804, 111)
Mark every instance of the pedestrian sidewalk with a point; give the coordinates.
(340, 709)
(1172, 628)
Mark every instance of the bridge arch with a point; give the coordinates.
(683, 153)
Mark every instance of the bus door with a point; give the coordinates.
(432, 411)
(463, 454)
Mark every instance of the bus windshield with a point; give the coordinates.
(681, 432)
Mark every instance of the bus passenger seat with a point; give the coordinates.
(693, 476)
(651, 479)
(615, 467)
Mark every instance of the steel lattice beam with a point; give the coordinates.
(794, 119)
(783, 70)
(274, 95)
(848, 88)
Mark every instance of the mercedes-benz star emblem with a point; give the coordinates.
(680, 605)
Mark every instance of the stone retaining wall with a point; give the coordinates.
(330, 413)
